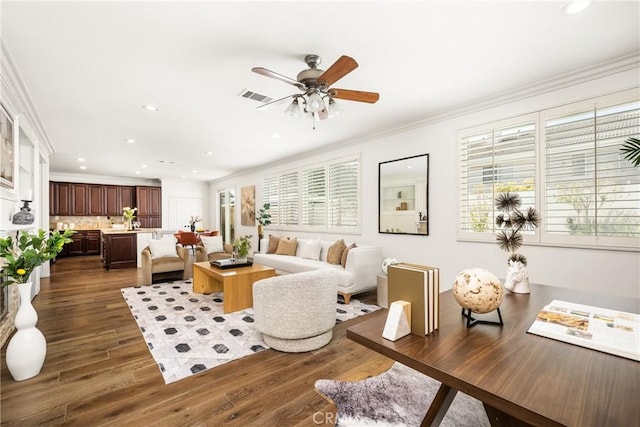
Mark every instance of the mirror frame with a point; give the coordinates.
(418, 194)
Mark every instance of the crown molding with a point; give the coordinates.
(101, 179)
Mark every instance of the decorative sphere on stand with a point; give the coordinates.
(478, 290)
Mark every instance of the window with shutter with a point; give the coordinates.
(494, 160)
(319, 198)
(343, 190)
(314, 197)
(592, 194)
(288, 199)
(566, 162)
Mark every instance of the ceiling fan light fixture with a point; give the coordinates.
(334, 108)
(293, 109)
(315, 102)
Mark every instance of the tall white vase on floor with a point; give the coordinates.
(28, 347)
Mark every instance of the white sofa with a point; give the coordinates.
(362, 265)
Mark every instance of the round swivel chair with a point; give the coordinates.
(296, 312)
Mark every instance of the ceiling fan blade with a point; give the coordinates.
(343, 66)
(268, 73)
(355, 95)
(277, 100)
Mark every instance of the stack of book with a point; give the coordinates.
(420, 286)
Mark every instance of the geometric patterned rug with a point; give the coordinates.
(188, 333)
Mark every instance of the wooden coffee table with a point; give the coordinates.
(236, 283)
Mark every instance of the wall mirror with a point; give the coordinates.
(403, 195)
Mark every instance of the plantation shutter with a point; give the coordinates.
(288, 199)
(492, 161)
(590, 189)
(343, 190)
(314, 197)
(270, 195)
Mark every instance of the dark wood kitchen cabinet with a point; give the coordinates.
(149, 204)
(60, 198)
(79, 199)
(119, 250)
(83, 242)
(116, 198)
(95, 205)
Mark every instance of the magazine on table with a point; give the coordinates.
(610, 331)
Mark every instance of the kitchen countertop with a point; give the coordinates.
(117, 231)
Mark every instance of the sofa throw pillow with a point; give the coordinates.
(163, 248)
(212, 244)
(334, 254)
(309, 249)
(343, 258)
(287, 246)
(273, 244)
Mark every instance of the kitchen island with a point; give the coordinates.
(122, 248)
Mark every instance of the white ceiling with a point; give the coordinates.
(90, 66)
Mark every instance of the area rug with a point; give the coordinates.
(397, 397)
(188, 333)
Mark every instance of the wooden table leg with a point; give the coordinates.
(439, 406)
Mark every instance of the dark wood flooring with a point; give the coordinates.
(98, 370)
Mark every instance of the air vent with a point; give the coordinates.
(255, 96)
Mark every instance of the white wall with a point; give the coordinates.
(186, 192)
(616, 272)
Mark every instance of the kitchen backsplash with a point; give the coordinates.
(83, 222)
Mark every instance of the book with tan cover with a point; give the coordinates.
(419, 285)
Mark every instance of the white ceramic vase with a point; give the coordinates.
(517, 280)
(28, 347)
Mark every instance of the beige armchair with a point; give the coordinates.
(201, 253)
(155, 268)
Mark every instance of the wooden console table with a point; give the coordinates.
(521, 378)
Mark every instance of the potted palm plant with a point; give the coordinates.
(20, 257)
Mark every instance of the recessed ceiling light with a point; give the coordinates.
(80, 159)
(137, 172)
(209, 153)
(150, 107)
(195, 171)
(131, 141)
(575, 6)
(275, 136)
(183, 176)
(144, 166)
(83, 167)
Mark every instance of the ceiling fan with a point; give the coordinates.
(317, 97)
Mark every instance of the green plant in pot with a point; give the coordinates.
(264, 218)
(242, 245)
(22, 256)
(27, 348)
